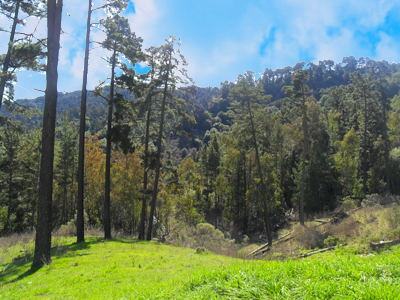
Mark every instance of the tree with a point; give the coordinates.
(298, 93)
(67, 163)
(362, 93)
(379, 69)
(18, 172)
(21, 53)
(43, 229)
(347, 162)
(168, 66)
(119, 40)
(114, 7)
(244, 93)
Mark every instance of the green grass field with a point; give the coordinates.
(128, 269)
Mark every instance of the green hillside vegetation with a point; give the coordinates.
(283, 185)
(337, 147)
(130, 269)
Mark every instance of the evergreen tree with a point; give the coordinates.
(167, 74)
(298, 93)
(21, 53)
(43, 229)
(110, 7)
(244, 93)
(66, 166)
(120, 41)
(364, 95)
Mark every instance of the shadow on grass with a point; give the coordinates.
(20, 267)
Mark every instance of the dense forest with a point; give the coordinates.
(159, 150)
(209, 170)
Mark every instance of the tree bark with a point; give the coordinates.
(80, 222)
(260, 174)
(10, 178)
(43, 229)
(7, 59)
(158, 163)
(107, 202)
(365, 144)
(145, 175)
(385, 134)
(303, 171)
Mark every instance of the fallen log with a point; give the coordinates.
(283, 241)
(320, 251)
(322, 221)
(382, 244)
(267, 244)
(354, 210)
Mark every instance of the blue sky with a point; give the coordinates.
(224, 38)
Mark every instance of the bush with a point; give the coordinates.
(392, 217)
(308, 238)
(205, 236)
(331, 241)
(68, 229)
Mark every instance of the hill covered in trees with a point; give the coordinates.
(326, 135)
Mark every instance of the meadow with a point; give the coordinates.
(131, 269)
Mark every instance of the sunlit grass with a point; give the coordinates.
(105, 270)
(337, 275)
(131, 269)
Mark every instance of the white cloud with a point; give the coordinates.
(145, 21)
(388, 49)
(219, 49)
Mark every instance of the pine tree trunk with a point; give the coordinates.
(7, 59)
(107, 202)
(43, 229)
(260, 174)
(145, 175)
(303, 171)
(158, 163)
(365, 144)
(65, 193)
(80, 222)
(385, 134)
(10, 179)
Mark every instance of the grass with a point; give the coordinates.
(329, 276)
(116, 269)
(129, 269)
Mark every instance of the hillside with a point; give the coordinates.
(129, 269)
(336, 142)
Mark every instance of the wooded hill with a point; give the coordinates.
(326, 134)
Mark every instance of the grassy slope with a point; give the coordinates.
(106, 270)
(128, 269)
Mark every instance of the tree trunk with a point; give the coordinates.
(10, 178)
(260, 174)
(80, 222)
(387, 166)
(303, 170)
(146, 165)
(365, 145)
(385, 134)
(7, 59)
(65, 193)
(158, 163)
(107, 202)
(43, 229)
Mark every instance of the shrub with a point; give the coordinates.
(392, 216)
(331, 241)
(205, 236)
(68, 229)
(308, 238)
